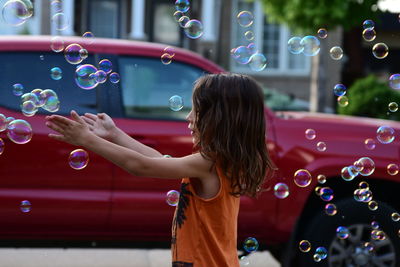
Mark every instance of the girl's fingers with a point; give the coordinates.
(90, 116)
(88, 120)
(76, 117)
(59, 120)
(57, 137)
(54, 127)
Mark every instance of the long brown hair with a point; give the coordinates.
(229, 112)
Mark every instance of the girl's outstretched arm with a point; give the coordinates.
(103, 126)
(77, 132)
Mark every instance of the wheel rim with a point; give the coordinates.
(352, 252)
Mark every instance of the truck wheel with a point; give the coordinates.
(360, 248)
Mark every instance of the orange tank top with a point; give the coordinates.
(204, 231)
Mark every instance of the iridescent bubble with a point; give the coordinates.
(363, 185)
(343, 101)
(15, 12)
(242, 55)
(175, 103)
(252, 48)
(114, 77)
(250, 244)
(316, 258)
(294, 45)
(339, 89)
(368, 246)
(85, 76)
(321, 146)
(395, 216)
(3, 122)
(363, 195)
(394, 81)
(322, 33)
(336, 53)
(321, 179)
(52, 104)
(30, 97)
(368, 24)
(78, 159)
(347, 174)
(330, 209)
(169, 50)
(166, 59)
(178, 15)
(311, 45)
(18, 89)
(304, 246)
(249, 35)
(369, 35)
(380, 50)
(321, 252)
(60, 21)
(373, 205)
(88, 35)
(101, 76)
(317, 190)
(281, 190)
(326, 194)
(1, 146)
(244, 261)
(25, 206)
(56, 6)
(8, 120)
(19, 131)
(57, 44)
(44, 95)
(183, 20)
(302, 178)
(378, 235)
(41, 57)
(393, 107)
(172, 197)
(193, 29)
(385, 134)
(28, 108)
(367, 166)
(257, 62)
(369, 144)
(375, 225)
(56, 73)
(310, 134)
(167, 156)
(182, 5)
(105, 65)
(83, 53)
(72, 55)
(245, 18)
(392, 169)
(342, 232)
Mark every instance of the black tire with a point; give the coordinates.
(357, 217)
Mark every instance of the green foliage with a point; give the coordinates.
(369, 97)
(307, 16)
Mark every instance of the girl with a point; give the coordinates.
(228, 129)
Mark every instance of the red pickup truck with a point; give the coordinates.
(103, 203)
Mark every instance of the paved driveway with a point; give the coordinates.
(103, 258)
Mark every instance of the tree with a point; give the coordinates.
(307, 16)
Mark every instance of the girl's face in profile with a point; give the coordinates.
(191, 119)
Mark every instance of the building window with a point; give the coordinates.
(271, 40)
(104, 18)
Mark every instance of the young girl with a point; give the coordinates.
(228, 129)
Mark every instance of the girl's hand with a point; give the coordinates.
(74, 131)
(101, 125)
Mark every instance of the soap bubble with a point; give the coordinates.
(3, 122)
(175, 103)
(343, 101)
(242, 55)
(183, 20)
(101, 76)
(339, 89)
(18, 89)
(249, 35)
(172, 198)
(330, 209)
(85, 76)
(72, 54)
(394, 81)
(373, 205)
(193, 29)
(326, 194)
(245, 18)
(302, 178)
(366, 165)
(182, 5)
(56, 73)
(56, 6)
(258, 62)
(395, 216)
(166, 59)
(78, 159)
(369, 35)
(1, 146)
(178, 15)
(281, 190)
(342, 232)
(393, 106)
(19, 131)
(83, 53)
(321, 146)
(304, 246)
(368, 24)
(105, 65)
(28, 108)
(385, 134)
(244, 261)
(369, 144)
(25, 206)
(294, 45)
(311, 45)
(57, 44)
(310, 134)
(16, 12)
(114, 77)
(321, 179)
(380, 50)
(336, 53)
(347, 174)
(88, 35)
(60, 21)
(52, 104)
(252, 48)
(392, 169)
(322, 33)
(250, 244)
(321, 252)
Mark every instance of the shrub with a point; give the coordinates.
(370, 97)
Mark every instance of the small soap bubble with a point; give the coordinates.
(321, 179)
(43, 95)
(373, 205)
(18, 89)
(78, 159)
(19, 131)
(57, 44)
(367, 166)
(101, 76)
(114, 77)
(85, 76)
(172, 198)
(385, 134)
(363, 185)
(25, 206)
(394, 81)
(52, 104)
(321, 252)
(166, 59)
(317, 190)
(169, 50)
(177, 15)
(83, 53)
(41, 57)
(193, 29)
(392, 169)
(380, 50)
(375, 225)
(29, 108)
(257, 62)
(322, 33)
(56, 6)
(56, 73)
(294, 45)
(242, 55)
(72, 55)
(316, 258)
(183, 20)
(281, 190)
(60, 21)
(175, 103)
(105, 65)
(304, 246)
(343, 101)
(369, 144)
(249, 35)
(245, 18)
(342, 232)
(250, 244)
(336, 53)
(321, 146)
(32, 96)
(302, 178)
(15, 12)
(3, 122)
(311, 45)
(1, 146)
(252, 48)
(310, 134)
(330, 209)
(88, 35)
(378, 235)
(347, 174)
(395, 216)
(182, 5)
(368, 24)
(369, 35)
(244, 261)
(326, 194)
(339, 89)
